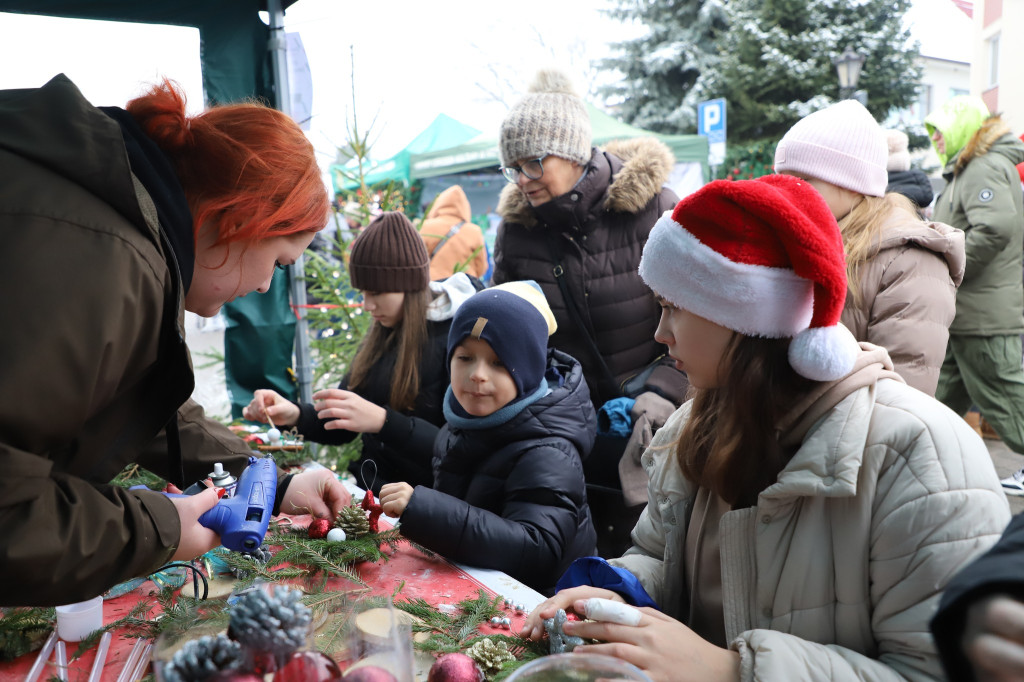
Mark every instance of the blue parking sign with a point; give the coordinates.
(711, 124)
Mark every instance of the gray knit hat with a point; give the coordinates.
(389, 255)
(551, 119)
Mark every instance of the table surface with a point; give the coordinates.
(432, 579)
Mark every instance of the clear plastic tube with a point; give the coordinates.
(140, 667)
(42, 658)
(101, 658)
(133, 659)
(62, 661)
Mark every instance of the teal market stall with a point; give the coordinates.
(237, 64)
(690, 151)
(443, 132)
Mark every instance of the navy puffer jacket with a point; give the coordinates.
(513, 497)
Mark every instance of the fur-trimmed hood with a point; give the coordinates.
(639, 169)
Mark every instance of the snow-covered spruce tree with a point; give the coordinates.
(659, 70)
(777, 57)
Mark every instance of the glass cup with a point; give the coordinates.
(578, 668)
(380, 636)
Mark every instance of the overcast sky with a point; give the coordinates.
(413, 59)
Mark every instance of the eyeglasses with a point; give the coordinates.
(532, 169)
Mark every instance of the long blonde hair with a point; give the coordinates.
(861, 228)
(407, 339)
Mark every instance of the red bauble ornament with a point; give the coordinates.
(308, 666)
(318, 528)
(369, 673)
(455, 668)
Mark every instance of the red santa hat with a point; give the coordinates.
(763, 257)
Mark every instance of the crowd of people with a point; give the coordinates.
(776, 368)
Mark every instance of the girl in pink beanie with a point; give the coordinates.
(903, 272)
(805, 507)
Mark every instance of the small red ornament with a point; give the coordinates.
(375, 510)
(455, 668)
(318, 528)
(369, 673)
(308, 666)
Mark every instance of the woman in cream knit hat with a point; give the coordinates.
(575, 219)
(903, 272)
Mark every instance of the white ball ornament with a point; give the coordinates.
(274, 435)
(336, 535)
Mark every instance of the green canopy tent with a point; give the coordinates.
(237, 63)
(443, 133)
(482, 152)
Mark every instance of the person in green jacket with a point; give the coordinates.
(983, 198)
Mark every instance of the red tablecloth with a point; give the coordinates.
(432, 579)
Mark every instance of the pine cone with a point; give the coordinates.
(353, 521)
(490, 656)
(274, 621)
(201, 658)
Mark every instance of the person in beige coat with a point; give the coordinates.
(903, 272)
(806, 508)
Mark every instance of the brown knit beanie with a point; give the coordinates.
(388, 256)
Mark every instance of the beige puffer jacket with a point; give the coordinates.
(908, 296)
(838, 569)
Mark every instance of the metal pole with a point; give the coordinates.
(296, 272)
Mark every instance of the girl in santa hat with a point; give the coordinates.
(806, 507)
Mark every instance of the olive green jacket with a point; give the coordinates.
(983, 198)
(93, 362)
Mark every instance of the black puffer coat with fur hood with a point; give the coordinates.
(597, 232)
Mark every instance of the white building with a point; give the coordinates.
(944, 30)
(998, 53)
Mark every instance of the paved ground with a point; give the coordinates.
(1006, 462)
(208, 336)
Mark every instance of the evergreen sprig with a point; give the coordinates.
(23, 630)
(331, 558)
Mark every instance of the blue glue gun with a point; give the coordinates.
(242, 520)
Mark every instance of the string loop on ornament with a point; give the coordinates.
(369, 483)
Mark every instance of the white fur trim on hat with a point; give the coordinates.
(755, 300)
(823, 353)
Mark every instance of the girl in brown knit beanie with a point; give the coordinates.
(394, 391)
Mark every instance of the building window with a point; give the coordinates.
(924, 101)
(993, 60)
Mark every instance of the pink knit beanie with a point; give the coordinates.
(841, 144)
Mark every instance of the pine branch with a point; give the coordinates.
(23, 630)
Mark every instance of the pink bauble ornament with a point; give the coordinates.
(308, 666)
(369, 673)
(455, 668)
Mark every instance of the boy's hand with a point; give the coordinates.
(394, 498)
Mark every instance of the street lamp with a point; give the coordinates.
(848, 66)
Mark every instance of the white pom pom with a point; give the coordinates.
(336, 535)
(823, 353)
(552, 80)
(274, 435)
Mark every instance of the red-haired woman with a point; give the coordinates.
(114, 222)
